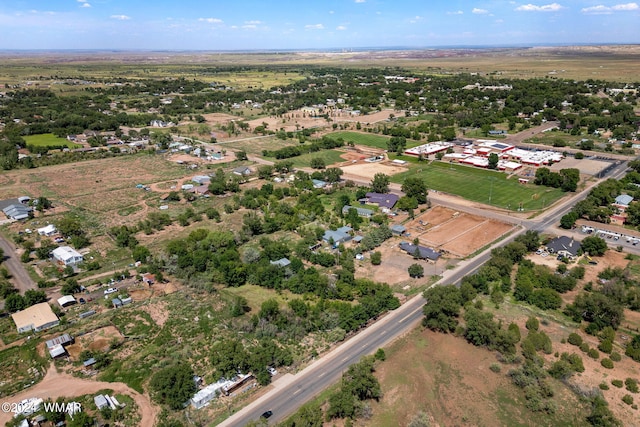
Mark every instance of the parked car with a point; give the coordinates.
(110, 291)
(82, 301)
(266, 414)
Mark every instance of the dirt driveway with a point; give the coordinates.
(19, 275)
(56, 384)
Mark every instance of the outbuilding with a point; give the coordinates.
(49, 230)
(66, 300)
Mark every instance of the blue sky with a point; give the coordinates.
(310, 24)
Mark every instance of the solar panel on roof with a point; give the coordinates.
(500, 146)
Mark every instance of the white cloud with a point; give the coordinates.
(341, 27)
(85, 5)
(457, 12)
(360, 1)
(553, 7)
(211, 20)
(254, 22)
(121, 17)
(628, 6)
(606, 10)
(415, 19)
(314, 27)
(479, 11)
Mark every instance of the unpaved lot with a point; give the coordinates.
(368, 170)
(449, 379)
(97, 340)
(58, 384)
(457, 233)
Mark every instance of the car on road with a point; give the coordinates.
(266, 414)
(110, 291)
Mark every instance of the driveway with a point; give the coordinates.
(19, 275)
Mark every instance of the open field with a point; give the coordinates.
(49, 140)
(450, 380)
(610, 62)
(368, 170)
(480, 185)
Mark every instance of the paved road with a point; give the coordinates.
(20, 277)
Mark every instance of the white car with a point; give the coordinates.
(110, 291)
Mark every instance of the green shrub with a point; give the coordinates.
(584, 347)
(603, 386)
(631, 384)
(606, 346)
(615, 356)
(628, 399)
(532, 324)
(593, 353)
(575, 339)
(495, 367)
(607, 363)
(617, 383)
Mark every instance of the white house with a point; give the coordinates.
(49, 230)
(67, 255)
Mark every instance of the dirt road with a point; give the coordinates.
(19, 275)
(56, 384)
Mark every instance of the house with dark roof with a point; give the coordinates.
(17, 211)
(422, 251)
(398, 229)
(382, 200)
(564, 246)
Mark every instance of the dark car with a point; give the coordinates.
(81, 301)
(266, 414)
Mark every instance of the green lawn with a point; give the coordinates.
(371, 140)
(47, 140)
(481, 185)
(329, 156)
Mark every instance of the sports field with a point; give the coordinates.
(48, 140)
(370, 140)
(481, 185)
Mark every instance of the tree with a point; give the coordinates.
(493, 161)
(442, 308)
(31, 297)
(173, 385)
(568, 220)
(141, 253)
(317, 163)
(380, 183)
(594, 245)
(241, 155)
(265, 171)
(415, 188)
(376, 258)
(14, 302)
(416, 271)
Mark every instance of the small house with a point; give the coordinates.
(56, 345)
(17, 212)
(37, 318)
(149, 278)
(282, 262)
(383, 200)
(117, 302)
(242, 171)
(318, 183)
(622, 202)
(67, 255)
(365, 213)
(49, 230)
(101, 402)
(398, 229)
(341, 235)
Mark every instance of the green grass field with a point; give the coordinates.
(481, 185)
(329, 156)
(370, 140)
(49, 140)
